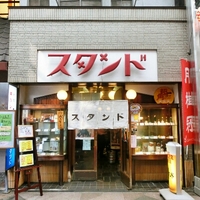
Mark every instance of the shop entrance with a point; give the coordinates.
(108, 154)
(107, 159)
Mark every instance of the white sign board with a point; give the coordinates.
(97, 114)
(12, 98)
(97, 66)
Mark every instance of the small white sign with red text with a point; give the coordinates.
(98, 66)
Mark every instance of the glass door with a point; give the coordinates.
(85, 155)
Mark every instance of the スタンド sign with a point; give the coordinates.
(97, 66)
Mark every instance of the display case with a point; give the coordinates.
(156, 126)
(50, 140)
(152, 128)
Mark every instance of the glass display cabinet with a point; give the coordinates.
(51, 142)
(153, 128)
(157, 126)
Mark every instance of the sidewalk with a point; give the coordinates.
(93, 190)
(87, 196)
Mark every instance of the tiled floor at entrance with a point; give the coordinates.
(101, 186)
(140, 191)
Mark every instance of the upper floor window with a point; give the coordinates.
(4, 7)
(128, 3)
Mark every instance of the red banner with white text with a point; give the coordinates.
(188, 103)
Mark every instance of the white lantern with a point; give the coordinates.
(131, 94)
(62, 95)
(111, 94)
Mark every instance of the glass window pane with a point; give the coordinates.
(84, 150)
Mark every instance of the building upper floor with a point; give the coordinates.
(102, 3)
(5, 5)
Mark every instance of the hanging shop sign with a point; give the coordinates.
(164, 95)
(189, 111)
(60, 122)
(97, 114)
(97, 66)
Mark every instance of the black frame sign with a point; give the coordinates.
(26, 146)
(7, 129)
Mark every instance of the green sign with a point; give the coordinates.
(7, 129)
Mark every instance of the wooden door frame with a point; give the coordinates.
(71, 157)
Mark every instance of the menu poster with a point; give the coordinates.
(25, 131)
(26, 160)
(7, 124)
(25, 145)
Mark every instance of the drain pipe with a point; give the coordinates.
(134, 2)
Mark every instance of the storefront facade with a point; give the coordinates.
(125, 48)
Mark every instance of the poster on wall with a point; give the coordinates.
(7, 125)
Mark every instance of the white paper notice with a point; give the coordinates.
(86, 144)
(133, 141)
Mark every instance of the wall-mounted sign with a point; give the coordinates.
(135, 110)
(7, 125)
(12, 98)
(97, 66)
(164, 95)
(60, 122)
(97, 114)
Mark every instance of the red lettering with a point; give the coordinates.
(61, 66)
(143, 57)
(127, 65)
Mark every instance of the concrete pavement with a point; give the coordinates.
(29, 195)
